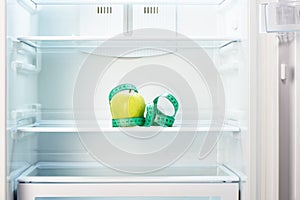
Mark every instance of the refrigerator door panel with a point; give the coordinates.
(289, 118)
(282, 19)
(296, 164)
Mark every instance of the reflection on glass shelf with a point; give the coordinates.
(280, 16)
(157, 2)
(95, 172)
(70, 127)
(90, 42)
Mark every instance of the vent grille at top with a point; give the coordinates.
(104, 9)
(150, 10)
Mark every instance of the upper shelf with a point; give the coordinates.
(156, 2)
(280, 17)
(90, 42)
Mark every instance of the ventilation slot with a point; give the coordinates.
(104, 10)
(151, 10)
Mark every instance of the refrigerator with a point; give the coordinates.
(214, 83)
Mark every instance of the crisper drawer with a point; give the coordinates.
(91, 181)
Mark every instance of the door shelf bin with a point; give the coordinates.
(280, 17)
(94, 180)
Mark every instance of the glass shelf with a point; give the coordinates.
(62, 126)
(91, 172)
(157, 2)
(86, 180)
(280, 17)
(90, 42)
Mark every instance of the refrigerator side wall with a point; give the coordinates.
(2, 101)
(20, 94)
(252, 138)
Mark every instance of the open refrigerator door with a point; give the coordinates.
(281, 20)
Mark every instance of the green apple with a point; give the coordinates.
(127, 104)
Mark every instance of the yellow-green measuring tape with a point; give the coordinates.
(153, 115)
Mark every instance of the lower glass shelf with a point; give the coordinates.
(46, 172)
(91, 180)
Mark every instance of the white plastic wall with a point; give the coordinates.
(21, 91)
(59, 69)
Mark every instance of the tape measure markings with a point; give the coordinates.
(153, 115)
(120, 88)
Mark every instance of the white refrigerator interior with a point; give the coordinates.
(49, 44)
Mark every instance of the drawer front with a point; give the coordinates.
(123, 191)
